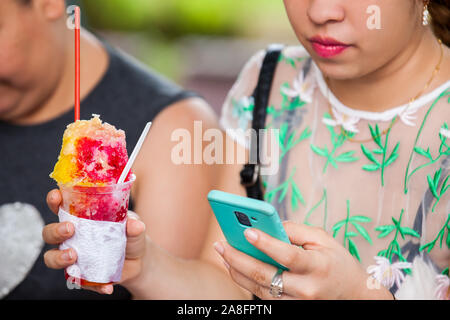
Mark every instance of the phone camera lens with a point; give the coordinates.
(243, 218)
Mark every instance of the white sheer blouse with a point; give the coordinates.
(385, 199)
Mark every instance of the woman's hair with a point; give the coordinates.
(440, 19)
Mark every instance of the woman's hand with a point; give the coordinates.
(57, 233)
(322, 269)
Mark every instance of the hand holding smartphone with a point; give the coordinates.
(235, 214)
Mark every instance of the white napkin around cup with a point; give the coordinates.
(100, 248)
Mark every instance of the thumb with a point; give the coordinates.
(135, 236)
(54, 199)
(305, 236)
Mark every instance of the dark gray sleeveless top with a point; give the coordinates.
(128, 96)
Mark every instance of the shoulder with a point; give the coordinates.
(238, 106)
(128, 75)
(184, 113)
(293, 57)
(183, 124)
(131, 94)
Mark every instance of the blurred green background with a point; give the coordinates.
(200, 44)
(179, 17)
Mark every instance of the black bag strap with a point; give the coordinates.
(250, 173)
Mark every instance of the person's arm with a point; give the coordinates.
(175, 260)
(318, 267)
(180, 262)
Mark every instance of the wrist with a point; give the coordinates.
(139, 283)
(372, 289)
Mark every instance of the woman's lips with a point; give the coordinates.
(327, 47)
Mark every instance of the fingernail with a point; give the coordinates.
(251, 235)
(219, 248)
(67, 255)
(142, 225)
(63, 229)
(107, 290)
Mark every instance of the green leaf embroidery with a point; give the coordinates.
(324, 200)
(433, 184)
(353, 220)
(337, 226)
(271, 110)
(371, 167)
(287, 143)
(440, 236)
(448, 239)
(243, 110)
(443, 139)
(377, 151)
(282, 189)
(346, 157)
(321, 152)
(445, 271)
(375, 133)
(386, 160)
(410, 232)
(337, 141)
(422, 152)
(370, 156)
(394, 246)
(296, 197)
(362, 232)
(287, 103)
(385, 230)
(283, 193)
(353, 249)
(360, 219)
(290, 61)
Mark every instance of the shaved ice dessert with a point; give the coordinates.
(92, 154)
(92, 158)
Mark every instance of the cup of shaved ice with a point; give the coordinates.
(92, 158)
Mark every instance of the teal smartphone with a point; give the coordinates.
(235, 214)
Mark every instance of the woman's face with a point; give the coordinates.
(351, 39)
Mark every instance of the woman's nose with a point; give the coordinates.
(324, 11)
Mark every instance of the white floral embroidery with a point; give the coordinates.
(242, 110)
(405, 112)
(347, 122)
(408, 115)
(443, 287)
(386, 273)
(445, 132)
(301, 88)
(420, 284)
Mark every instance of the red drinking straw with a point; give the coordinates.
(77, 63)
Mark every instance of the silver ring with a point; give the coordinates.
(276, 286)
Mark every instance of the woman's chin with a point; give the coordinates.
(339, 71)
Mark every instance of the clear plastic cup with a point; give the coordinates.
(100, 203)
